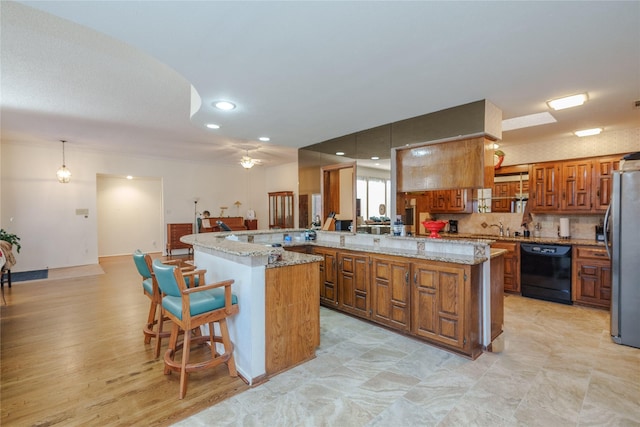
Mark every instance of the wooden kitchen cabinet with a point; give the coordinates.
(591, 276)
(390, 291)
(603, 169)
(545, 180)
(174, 233)
(442, 304)
(511, 265)
(449, 201)
(328, 276)
(353, 283)
(500, 197)
(576, 179)
(573, 186)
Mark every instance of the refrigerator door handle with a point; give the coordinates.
(606, 230)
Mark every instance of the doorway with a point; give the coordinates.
(129, 215)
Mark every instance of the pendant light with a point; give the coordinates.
(63, 174)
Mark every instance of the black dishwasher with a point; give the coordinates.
(545, 272)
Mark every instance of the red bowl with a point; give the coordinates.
(434, 227)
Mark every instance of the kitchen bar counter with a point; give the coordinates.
(473, 256)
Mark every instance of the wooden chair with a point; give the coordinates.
(155, 319)
(190, 308)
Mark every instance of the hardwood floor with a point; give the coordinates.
(73, 353)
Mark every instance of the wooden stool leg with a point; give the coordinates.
(159, 330)
(150, 320)
(171, 351)
(228, 347)
(184, 375)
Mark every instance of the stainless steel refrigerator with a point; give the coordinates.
(623, 245)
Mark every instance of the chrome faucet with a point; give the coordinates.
(500, 228)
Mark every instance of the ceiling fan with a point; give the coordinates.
(248, 162)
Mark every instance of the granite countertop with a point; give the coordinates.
(218, 242)
(415, 254)
(522, 239)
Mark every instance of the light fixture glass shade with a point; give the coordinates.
(568, 101)
(247, 162)
(63, 174)
(588, 132)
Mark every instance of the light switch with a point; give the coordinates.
(84, 212)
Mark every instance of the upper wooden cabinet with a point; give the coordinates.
(445, 165)
(441, 201)
(603, 181)
(544, 179)
(576, 185)
(572, 186)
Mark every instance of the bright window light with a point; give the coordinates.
(568, 101)
(588, 132)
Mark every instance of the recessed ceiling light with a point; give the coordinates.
(264, 139)
(588, 132)
(375, 158)
(213, 126)
(224, 105)
(129, 177)
(339, 153)
(568, 101)
(527, 121)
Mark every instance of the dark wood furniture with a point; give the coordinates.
(235, 223)
(281, 209)
(174, 233)
(251, 224)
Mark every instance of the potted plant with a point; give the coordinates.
(11, 238)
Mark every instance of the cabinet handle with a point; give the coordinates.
(406, 277)
(599, 254)
(415, 277)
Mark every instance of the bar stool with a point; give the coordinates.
(190, 308)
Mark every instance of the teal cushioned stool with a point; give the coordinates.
(190, 308)
(155, 318)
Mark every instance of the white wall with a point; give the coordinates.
(43, 212)
(129, 215)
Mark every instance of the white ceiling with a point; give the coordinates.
(110, 75)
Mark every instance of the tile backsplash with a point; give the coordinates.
(581, 226)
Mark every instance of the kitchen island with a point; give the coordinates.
(278, 325)
(451, 301)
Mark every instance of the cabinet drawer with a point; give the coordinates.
(591, 252)
(511, 247)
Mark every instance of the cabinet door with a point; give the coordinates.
(353, 283)
(500, 198)
(591, 276)
(438, 201)
(603, 182)
(544, 179)
(576, 186)
(458, 201)
(390, 292)
(511, 265)
(438, 303)
(328, 277)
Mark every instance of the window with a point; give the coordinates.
(372, 193)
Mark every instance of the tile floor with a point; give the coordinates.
(558, 368)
